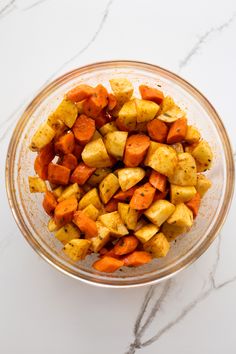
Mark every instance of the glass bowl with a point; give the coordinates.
(31, 218)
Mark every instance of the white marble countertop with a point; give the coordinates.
(42, 310)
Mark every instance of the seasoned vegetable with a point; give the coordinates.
(203, 184)
(67, 233)
(151, 94)
(36, 185)
(203, 154)
(158, 181)
(108, 128)
(42, 137)
(157, 130)
(85, 224)
(182, 216)
(108, 264)
(84, 129)
(96, 102)
(49, 202)
(91, 212)
(177, 131)
(122, 88)
(95, 154)
(185, 173)
(115, 143)
(142, 197)
(194, 204)
(101, 239)
(58, 174)
(146, 110)
(180, 194)
(72, 190)
(79, 93)
(127, 118)
(159, 212)
(128, 215)
(146, 232)
(126, 244)
(98, 176)
(192, 136)
(77, 249)
(91, 197)
(158, 246)
(135, 149)
(128, 177)
(65, 144)
(137, 259)
(172, 231)
(164, 160)
(81, 174)
(66, 112)
(64, 211)
(114, 223)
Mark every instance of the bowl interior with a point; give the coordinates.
(27, 207)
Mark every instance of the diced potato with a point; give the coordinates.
(108, 128)
(73, 189)
(96, 135)
(185, 173)
(98, 176)
(56, 124)
(182, 216)
(67, 112)
(164, 160)
(151, 150)
(77, 249)
(129, 176)
(203, 154)
(95, 154)
(146, 110)
(108, 187)
(159, 211)
(192, 136)
(122, 88)
(115, 143)
(91, 212)
(172, 115)
(58, 191)
(129, 216)
(52, 226)
(158, 246)
(80, 106)
(67, 233)
(43, 136)
(166, 104)
(181, 194)
(114, 223)
(36, 185)
(103, 237)
(91, 197)
(203, 184)
(172, 231)
(178, 147)
(127, 116)
(146, 232)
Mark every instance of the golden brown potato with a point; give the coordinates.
(181, 194)
(157, 246)
(151, 150)
(127, 116)
(159, 212)
(178, 147)
(73, 189)
(42, 137)
(164, 160)
(95, 154)
(96, 135)
(130, 176)
(91, 197)
(146, 232)
(52, 226)
(193, 136)
(203, 155)
(101, 239)
(98, 176)
(129, 216)
(185, 173)
(114, 223)
(172, 115)
(203, 184)
(67, 112)
(91, 212)
(115, 143)
(67, 233)
(182, 216)
(77, 249)
(172, 231)
(108, 187)
(108, 128)
(122, 89)
(166, 104)
(146, 110)
(36, 185)
(58, 191)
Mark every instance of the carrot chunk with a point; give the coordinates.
(112, 102)
(108, 264)
(137, 258)
(84, 129)
(65, 143)
(126, 195)
(46, 154)
(160, 195)
(82, 173)
(58, 174)
(194, 204)
(85, 224)
(49, 203)
(111, 206)
(100, 120)
(69, 161)
(142, 197)
(65, 210)
(80, 93)
(126, 244)
(158, 181)
(151, 94)
(77, 150)
(157, 130)
(178, 131)
(135, 149)
(94, 104)
(41, 169)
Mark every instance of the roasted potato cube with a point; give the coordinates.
(37, 185)
(115, 143)
(77, 249)
(166, 104)
(172, 115)
(129, 216)
(98, 176)
(182, 216)
(108, 187)
(146, 110)
(203, 184)
(158, 246)
(122, 88)
(178, 147)
(127, 116)
(95, 154)
(57, 125)
(67, 233)
(181, 194)
(185, 173)
(108, 128)
(203, 154)
(91, 197)
(164, 160)
(43, 136)
(130, 176)
(151, 150)
(159, 212)
(192, 136)
(73, 189)
(114, 223)
(172, 231)
(80, 106)
(103, 237)
(91, 212)
(146, 232)
(96, 135)
(58, 191)
(67, 112)
(52, 226)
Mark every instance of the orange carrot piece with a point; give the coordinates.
(49, 203)
(65, 210)
(85, 224)
(108, 264)
(84, 129)
(194, 204)
(69, 161)
(82, 173)
(137, 258)
(160, 195)
(125, 196)
(65, 143)
(80, 93)
(103, 251)
(58, 174)
(158, 181)
(126, 244)
(77, 150)
(151, 94)
(40, 169)
(94, 104)
(112, 101)
(142, 197)
(157, 130)
(111, 206)
(178, 131)
(46, 154)
(100, 120)
(135, 149)
(122, 126)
